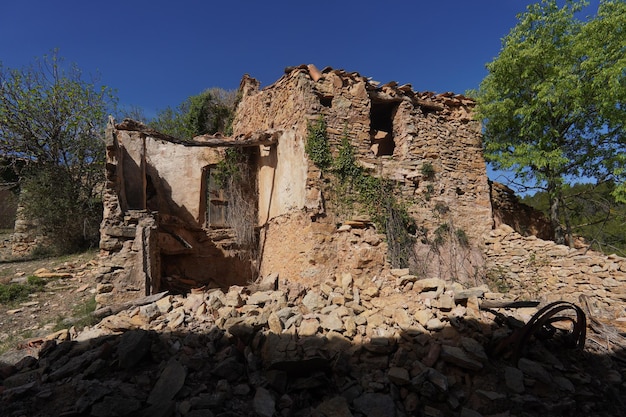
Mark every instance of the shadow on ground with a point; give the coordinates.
(246, 370)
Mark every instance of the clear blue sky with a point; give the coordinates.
(157, 53)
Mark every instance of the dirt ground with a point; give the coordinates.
(65, 300)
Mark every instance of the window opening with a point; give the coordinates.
(381, 127)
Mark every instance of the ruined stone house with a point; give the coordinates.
(164, 222)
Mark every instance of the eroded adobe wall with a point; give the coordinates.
(283, 176)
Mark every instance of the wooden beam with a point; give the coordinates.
(264, 137)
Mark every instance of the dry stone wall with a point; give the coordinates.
(423, 128)
(539, 269)
(8, 208)
(428, 144)
(507, 209)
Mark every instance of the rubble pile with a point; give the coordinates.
(347, 346)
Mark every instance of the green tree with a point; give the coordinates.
(553, 102)
(209, 112)
(51, 121)
(595, 215)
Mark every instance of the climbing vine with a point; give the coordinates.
(317, 147)
(354, 189)
(230, 168)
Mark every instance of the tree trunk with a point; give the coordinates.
(554, 193)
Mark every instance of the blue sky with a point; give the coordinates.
(157, 53)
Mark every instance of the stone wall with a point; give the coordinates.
(507, 209)
(27, 235)
(538, 269)
(395, 131)
(427, 143)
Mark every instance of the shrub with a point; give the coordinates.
(462, 238)
(428, 171)
(18, 292)
(316, 146)
(66, 212)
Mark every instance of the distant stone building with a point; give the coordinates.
(165, 220)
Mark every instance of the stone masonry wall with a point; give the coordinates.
(395, 132)
(536, 269)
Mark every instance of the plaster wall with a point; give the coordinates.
(177, 172)
(282, 177)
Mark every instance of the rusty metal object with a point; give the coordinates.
(541, 326)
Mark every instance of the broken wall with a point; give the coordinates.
(428, 144)
(395, 132)
(154, 233)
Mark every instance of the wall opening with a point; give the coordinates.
(215, 199)
(381, 127)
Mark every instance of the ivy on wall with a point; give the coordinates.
(355, 189)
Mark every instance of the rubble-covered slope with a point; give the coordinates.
(347, 346)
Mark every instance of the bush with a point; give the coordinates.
(66, 213)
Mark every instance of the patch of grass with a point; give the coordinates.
(14, 293)
(81, 316)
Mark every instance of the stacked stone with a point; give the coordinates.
(541, 269)
(394, 346)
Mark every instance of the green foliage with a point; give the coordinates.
(462, 238)
(316, 146)
(428, 171)
(400, 230)
(441, 233)
(52, 121)
(35, 281)
(445, 232)
(209, 112)
(70, 216)
(354, 188)
(553, 100)
(231, 167)
(376, 196)
(345, 165)
(595, 215)
(12, 293)
(171, 121)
